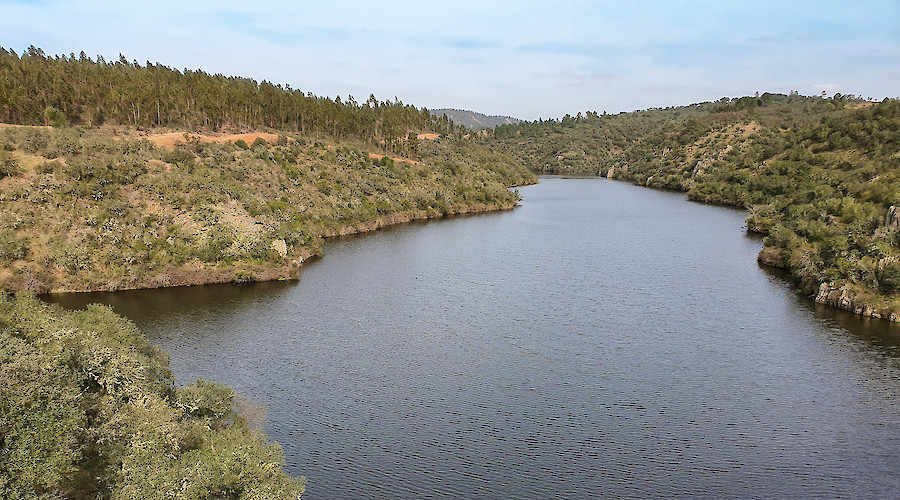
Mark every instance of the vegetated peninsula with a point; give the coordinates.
(819, 177)
(123, 175)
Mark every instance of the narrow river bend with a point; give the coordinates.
(601, 340)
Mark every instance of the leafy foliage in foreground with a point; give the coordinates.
(820, 177)
(88, 209)
(89, 409)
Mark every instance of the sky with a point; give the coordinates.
(526, 59)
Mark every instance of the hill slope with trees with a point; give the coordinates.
(473, 120)
(37, 89)
(91, 198)
(819, 177)
(89, 203)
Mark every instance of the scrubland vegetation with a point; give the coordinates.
(87, 209)
(90, 199)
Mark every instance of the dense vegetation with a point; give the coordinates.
(820, 177)
(89, 409)
(36, 89)
(473, 120)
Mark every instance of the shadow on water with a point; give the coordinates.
(880, 334)
(142, 306)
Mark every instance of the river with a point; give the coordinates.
(601, 340)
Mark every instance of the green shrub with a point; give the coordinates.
(243, 277)
(9, 166)
(11, 247)
(88, 409)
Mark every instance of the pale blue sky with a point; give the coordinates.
(527, 59)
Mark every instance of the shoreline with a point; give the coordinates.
(198, 273)
(832, 294)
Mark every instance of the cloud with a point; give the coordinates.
(525, 59)
(471, 44)
(785, 38)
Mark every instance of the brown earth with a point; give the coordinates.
(30, 126)
(376, 156)
(169, 139)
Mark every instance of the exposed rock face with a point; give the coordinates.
(611, 173)
(893, 216)
(280, 246)
(841, 297)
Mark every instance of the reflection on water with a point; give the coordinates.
(601, 340)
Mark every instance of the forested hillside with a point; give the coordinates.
(36, 89)
(92, 201)
(820, 177)
(473, 120)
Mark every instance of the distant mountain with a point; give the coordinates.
(472, 120)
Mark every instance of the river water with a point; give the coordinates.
(601, 340)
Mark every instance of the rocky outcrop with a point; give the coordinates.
(280, 246)
(842, 297)
(612, 173)
(893, 216)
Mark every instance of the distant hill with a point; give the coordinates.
(474, 121)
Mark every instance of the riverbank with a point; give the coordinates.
(108, 209)
(819, 178)
(844, 296)
(198, 273)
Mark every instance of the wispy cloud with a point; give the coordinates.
(522, 58)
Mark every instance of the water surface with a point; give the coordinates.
(601, 340)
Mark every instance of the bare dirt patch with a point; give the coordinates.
(428, 136)
(376, 156)
(170, 139)
(23, 126)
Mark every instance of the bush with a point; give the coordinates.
(889, 277)
(88, 409)
(243, 277)
(54, 117)
(9, 166)
(11, 247)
